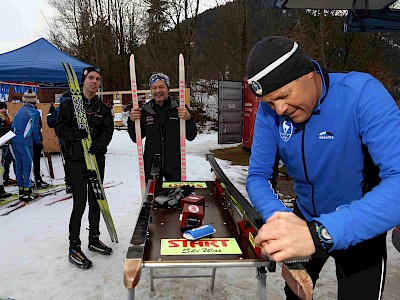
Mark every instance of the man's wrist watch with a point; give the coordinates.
(324, 236)
(322, 240)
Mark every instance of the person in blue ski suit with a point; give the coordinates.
(25, 125)
(319, 123)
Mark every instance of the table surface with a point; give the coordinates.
(165, 224)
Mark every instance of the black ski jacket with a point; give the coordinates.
(100, 122)
(161, 127)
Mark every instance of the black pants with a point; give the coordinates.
(37, 153)
(67, 177)
(83, 192)
(360, 269)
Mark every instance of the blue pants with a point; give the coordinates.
(23, 163)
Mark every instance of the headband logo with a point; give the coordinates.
(257, 88)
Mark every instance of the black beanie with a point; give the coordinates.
(3, 105)
(281, 59)
(87, 70)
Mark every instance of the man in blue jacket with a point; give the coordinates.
(319, 123)
(51, 122)
(26, 127)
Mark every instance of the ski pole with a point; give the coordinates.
(48, 167)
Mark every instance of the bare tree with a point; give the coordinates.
(100, 32)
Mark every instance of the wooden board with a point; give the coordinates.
(50, 140)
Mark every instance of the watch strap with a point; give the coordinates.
(321, 251)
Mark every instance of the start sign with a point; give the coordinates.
(202, 246)
(174, 185)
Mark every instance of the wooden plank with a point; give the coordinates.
(50, 139)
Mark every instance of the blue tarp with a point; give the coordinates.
(38, 61)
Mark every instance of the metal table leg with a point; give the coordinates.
(151, 279)
(262, 284)
(214, 270)
(131, 294)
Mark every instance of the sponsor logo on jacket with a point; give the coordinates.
(286, 129)
(325, 135)
(149, 120)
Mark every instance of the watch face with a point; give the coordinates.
(325, 235)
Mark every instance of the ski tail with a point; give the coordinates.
(182, 122)
(135, 102)
(69, 196)
(90, 159)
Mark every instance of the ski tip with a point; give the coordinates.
(132, 57)
(180, 56)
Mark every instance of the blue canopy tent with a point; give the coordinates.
(39, 62)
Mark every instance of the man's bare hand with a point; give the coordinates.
(285, 236)
(135, 114)
(183, 113)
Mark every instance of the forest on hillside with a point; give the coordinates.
(215, 42)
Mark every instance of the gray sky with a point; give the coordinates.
(22, 22)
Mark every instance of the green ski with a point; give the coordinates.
(91, 163)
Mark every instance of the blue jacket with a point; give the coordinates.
(52, 117)
(26, 126)
(325, 159)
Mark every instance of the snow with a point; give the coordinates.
(34, 243)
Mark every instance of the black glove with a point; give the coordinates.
(187, 190)
(52, 108)
(97, 148)
(80, 134)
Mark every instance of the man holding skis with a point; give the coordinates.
(319, 123)
(159, 123)
(101, 126)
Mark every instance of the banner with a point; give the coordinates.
(199, 247)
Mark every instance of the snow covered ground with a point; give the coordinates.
(34, 243)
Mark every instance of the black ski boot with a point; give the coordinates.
(98, 246)
(27, 195)
(20, 193)
(3, 193)
(77, 257)
(40, 184)
(68, 189)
